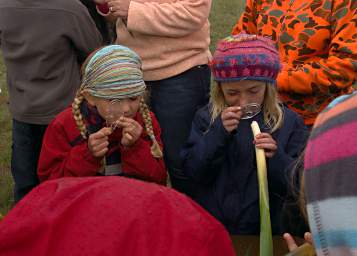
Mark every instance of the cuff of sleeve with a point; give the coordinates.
(220, 130)
(218, 133)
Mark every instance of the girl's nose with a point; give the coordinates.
(125, 108)
(243, 102)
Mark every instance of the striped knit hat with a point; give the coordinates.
(245, 57)
(331, 178)
(114, 72)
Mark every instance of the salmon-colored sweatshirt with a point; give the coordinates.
(171, 36)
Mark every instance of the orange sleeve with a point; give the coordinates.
(247, 21)
(336, 71)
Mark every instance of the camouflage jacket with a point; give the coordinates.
(317, 41)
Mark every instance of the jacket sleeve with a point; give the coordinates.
(337, 70)
(280, 165)
(138, 160)
(204, 151)
(247, 21)
(59, 159)
(83, 33)
(174, 19)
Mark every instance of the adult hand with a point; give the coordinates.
(265, 141)
(290, 242)
(98, 142)
(230, 118)
(131, 131)
(119, 8)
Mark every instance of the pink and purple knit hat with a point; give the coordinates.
(245, 57)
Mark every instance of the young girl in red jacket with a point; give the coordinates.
(108, 130)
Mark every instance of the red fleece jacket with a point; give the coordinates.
(60, 158)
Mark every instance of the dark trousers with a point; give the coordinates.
(174, 101)
(26, 147)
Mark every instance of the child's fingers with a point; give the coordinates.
(263, 135)
(128, 136)
(101, 152)
(129, 123)
(290, 242)
(102, 133)
(100, 146)
(233, 109)
(230, 115)
(97, 135)
(127, 120)
(231, 122)
(308, 237)
(93, 142)
(267, 146)
(106, 131)
(264, 140)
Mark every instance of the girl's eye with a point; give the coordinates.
(254, 91)
(133, 98)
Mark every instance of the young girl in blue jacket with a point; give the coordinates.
(220, 153)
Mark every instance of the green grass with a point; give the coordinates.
(6, 183)
(224, 15)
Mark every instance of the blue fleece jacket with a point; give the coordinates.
(223, 166)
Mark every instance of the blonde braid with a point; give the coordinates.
(145, 113)
(77, 115)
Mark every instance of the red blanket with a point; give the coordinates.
(110, 216)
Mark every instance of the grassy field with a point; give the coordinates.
(223, 16)
(6, 183)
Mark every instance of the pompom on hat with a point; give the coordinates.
(245, 57)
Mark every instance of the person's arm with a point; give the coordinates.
(204, 151)
(83, 33)
(335, 71)
(285, 156)
(138, 161)
(59, 159)
(247, 21)
(175, 19)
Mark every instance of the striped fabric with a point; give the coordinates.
(114, 72)
(331, 178)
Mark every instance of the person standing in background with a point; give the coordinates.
(172, 38)
(43, 44)
(317, 42)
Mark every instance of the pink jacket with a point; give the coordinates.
(171, 36)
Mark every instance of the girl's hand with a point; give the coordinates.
(98, 142)
(131, 131)
(265, 141)
(290, 242)
(230, 118)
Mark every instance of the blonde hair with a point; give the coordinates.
(143, 109)
(272, 110)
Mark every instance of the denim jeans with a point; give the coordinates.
(26, 147)
(174, 101)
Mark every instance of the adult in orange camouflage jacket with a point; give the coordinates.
(317, 41)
